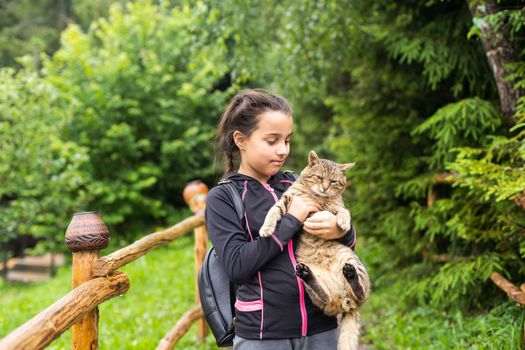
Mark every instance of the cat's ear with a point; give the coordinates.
(312, 158)
(345, 167)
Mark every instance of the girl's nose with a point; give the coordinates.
(282, 150)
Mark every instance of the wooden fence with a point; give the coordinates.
(96, 280)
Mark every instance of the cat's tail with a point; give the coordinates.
(349, 331)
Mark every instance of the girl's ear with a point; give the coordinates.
(239, 139)
(312, 158)
(345, 167)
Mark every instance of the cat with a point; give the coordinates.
(334, 277)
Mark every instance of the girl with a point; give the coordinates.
(272, 309)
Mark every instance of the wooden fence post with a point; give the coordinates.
(85, 236)
(195, 196)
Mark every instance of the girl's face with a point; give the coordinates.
(266, 150)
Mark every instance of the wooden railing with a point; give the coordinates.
(96, 280)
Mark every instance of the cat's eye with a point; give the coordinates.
(319, 177)
(333, 181)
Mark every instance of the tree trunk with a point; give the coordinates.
(499, 52)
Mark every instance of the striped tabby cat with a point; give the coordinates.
(333, 276)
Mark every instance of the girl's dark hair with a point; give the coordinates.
(242, 113)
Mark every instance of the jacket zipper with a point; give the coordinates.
(304, 327)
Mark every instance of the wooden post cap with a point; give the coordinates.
(195, 195)
(86, 231)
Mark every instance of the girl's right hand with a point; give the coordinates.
(300, 208)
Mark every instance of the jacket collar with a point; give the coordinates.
(234, 176)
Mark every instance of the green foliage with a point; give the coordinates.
(517, 75)
(143, 86)
(455, 280)
(466, 122)
(394, 318)
(42, 177)
(424, 327)
(30, 27)
(117, 120)
(482, 171)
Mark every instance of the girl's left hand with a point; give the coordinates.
(324, 225)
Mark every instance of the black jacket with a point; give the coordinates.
(271, 300)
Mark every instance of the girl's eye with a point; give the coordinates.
(271, 142)
(287, 142)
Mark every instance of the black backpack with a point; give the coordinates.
(217, 293)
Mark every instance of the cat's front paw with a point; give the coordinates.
(266, 231)
(343, 224)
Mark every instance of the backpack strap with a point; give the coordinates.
(294, 175)
(237, 202)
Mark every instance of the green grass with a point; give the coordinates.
(391, 321)
(390, 326)
(162, 289)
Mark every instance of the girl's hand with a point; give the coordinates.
(324, 225)
(301, 208)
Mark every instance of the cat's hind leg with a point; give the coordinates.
(315, 290)
(351, 275)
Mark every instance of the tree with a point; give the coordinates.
(29, 27)
(42, 177)
(145, 86)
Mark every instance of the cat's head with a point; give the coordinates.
(324, 177)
